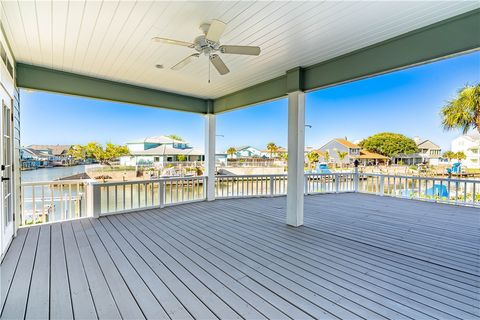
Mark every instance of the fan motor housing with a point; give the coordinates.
(202, 45)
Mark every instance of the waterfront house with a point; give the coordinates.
(470, 145)
(57, 154)
(246, 152)
(33, 159)
(159, 150)
(428, 152)
(334, 146)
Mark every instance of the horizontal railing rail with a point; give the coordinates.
(436, 189)
(52, 201)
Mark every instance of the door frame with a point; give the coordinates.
(7, 216)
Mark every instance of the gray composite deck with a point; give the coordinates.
(358, 256)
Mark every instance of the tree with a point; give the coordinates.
(181, 157)
(313, 157)
(272, 148)
(341, 156)
(77, 152)
(463, 112)
(175, 137)
(327, 156)
(389, 144)
(449, 155)
(94, 150)
(231, 151)
(460, 155)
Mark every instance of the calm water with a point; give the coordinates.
(49, 174)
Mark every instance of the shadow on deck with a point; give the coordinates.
(358, 256)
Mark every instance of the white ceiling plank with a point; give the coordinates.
(43, 17)
(12, 11)
(59, 22)
(112, 39)
(76, 15)
(90, 20)
(97, 37)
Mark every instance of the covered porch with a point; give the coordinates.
(358, 256)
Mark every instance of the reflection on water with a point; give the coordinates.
(49, 174)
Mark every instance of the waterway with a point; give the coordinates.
(49, 174)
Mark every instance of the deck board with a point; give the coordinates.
(358, 256)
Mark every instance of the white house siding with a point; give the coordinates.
(470, 145)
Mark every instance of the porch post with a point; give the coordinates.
(210, 155)
(296, 158)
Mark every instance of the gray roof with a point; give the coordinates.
(165, 150)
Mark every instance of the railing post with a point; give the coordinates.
(271, 181)
(161, 193)
(306, 188)
(94, 199)
(357, 179)
(382, 185)
(337, 175)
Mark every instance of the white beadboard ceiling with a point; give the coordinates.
(112, 39)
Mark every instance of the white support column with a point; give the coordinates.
(296, 158)
(210, 155)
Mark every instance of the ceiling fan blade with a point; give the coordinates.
(216, 30)
(248, 50)
(171, 41)
(219, 64)
(185, 61)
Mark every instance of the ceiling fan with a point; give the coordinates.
(209, 44)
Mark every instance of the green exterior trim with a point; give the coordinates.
(39, 78)
(453, 36)
(265, 91)
(295, 80)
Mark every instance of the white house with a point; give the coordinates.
(470, 145)
(246, 152)
(159, 150)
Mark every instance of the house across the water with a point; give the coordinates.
(335, 149)
(428, 152)
(160, 150)
(470, 145)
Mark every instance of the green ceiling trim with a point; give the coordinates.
(295, 80)
(443, 39)
(262, 92)
(39, 78)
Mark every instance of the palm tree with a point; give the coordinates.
(341, 156)
(463, 112)
(175, 137)
(327, 156)
(272, 148)
(460, 155)
(449, 155)
(231, 151)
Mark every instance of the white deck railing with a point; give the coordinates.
(445, 190)
(52, 201)
(115, 197)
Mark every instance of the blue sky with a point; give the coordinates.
(406, 102)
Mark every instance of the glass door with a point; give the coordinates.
(6, 173)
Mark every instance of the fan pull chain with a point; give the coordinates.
(209, 63)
